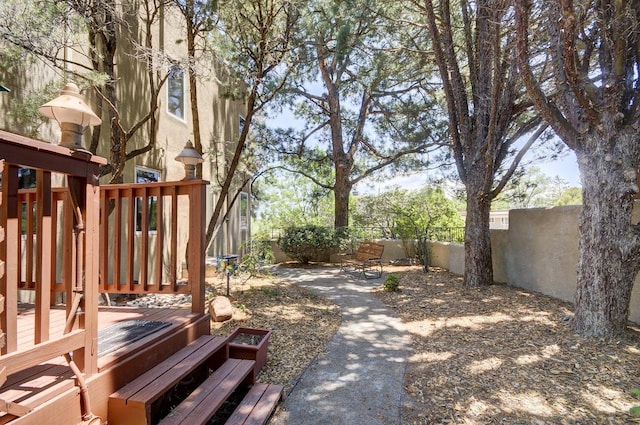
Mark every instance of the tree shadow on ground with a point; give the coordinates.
(504, 355)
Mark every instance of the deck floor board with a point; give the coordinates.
(56, 371)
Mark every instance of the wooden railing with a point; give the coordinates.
(147, 232)
(80, 239)
(142, 248)
(33, 231)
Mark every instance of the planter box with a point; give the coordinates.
(250, 344)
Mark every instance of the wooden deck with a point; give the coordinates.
(107, 316)
(70, 236)
(28, 388)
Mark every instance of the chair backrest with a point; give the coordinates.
(369, 250)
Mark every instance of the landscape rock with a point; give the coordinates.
(220, 309)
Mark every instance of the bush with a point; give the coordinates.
(305, 243)
(635, 410)
(391, 283)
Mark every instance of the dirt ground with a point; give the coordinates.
(496, 355)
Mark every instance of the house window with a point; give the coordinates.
(175, 92)
(147, 175)
(26, 180)
(244, 210)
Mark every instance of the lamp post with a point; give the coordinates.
(73, 115)
(190, 158)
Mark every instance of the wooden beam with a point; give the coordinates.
(91, 278)
(9, 283)
(31, 153)
(197, 208)
(24, 359)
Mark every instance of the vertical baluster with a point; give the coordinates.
(174, 239)
(43, 264)
(159, 238)
(10, 250)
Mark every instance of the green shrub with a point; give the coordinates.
(635, 410)
(391, 283)
(344, 240)
(305, 243)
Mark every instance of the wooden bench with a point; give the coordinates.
(368, 257)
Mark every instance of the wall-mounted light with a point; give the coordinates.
(73, 115)
(190, 158)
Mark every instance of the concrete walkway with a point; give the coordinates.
(358, 381)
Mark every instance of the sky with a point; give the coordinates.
(565, 167)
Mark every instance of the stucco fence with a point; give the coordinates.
(539, 252)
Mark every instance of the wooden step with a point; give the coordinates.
(132, 404)
(202, 404)
(257, 406)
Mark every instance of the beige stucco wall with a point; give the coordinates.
(539, 252)
(439, 254)
(219, 115)
(447, 255)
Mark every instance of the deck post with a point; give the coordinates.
(91, 268)
(44, 233)
(11, 252)
(195, 254)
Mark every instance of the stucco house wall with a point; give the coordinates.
(219, 115)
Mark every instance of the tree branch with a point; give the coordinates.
(549, 112)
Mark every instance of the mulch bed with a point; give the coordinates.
(302, 323)
(502, 355)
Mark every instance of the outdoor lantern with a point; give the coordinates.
(73, 115)
(189, 157)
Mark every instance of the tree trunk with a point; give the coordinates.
(341, 192)
(478, 270)
(609, 259)
(193, 82)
